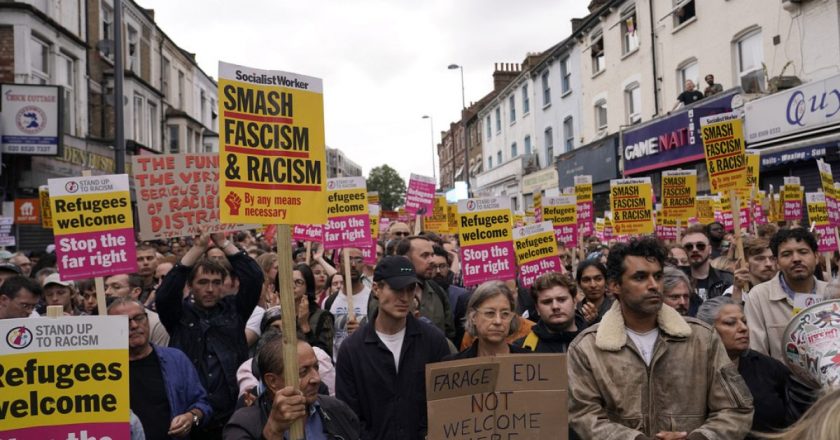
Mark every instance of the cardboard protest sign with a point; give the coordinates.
(27, 211)
(65, 378)
(832, 198)
(272, 149)
(486, 240)
(436, 220)
(176, 193)
(536, 252)
(94, 230)
(561, 211)
(46, 211)
(583, 194)
(792, 199)
(505, 397)
(348, 221)
(314, 233)
(723, 146)
(818, 215)
(631, 203)
(420, 194)
(679, 191)
(373, 213)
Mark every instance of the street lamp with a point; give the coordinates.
(432, 132)
(464, 128)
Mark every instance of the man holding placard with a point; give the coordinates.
(211, 329)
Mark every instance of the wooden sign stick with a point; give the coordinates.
(288, 310)
(348, 284)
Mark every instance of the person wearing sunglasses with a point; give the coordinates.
(398, 231)
(709, 282)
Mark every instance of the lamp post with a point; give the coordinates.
(432, 137)
(464, 128)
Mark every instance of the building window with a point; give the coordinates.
(689, 71)
(514, 150)
(490, 163)
(40, 61)
(153, 125)
(164, 77)
(65, 69)
(174, 141)
(488, 127)
(498, 119)
(526, 102)
(499, 157)
(181, 90)
(633, 101)
(137, 117)
(597, 52)
(108, 30)
(683, 11)
(546, 89)
(566, 75)
(569, 133)
(203, 108)
(750, 58)
(601, 114)
(512, 104)
(629, 34)
(133, 50)
(549, 145)
(527, 144)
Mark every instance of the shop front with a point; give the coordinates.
(598, 159)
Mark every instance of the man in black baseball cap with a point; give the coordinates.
(381, 366)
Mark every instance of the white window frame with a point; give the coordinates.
(65, 69)
(500, 157)
(499, 119)
(164, 76)
(514, 150)
(137, 116)
(169, 138)
(133, 41)
(153, 121)
(597, 52)
(568, 133)
(633, 103)
(565, 76)
(181, 90)
(680, 5)
(546, 89)
(548, 134)
(527, 144)
(601, 110)
(629, 41)
(750, 78)
(106, 28)
(512, 110)
(526, 101)
(489, 130)
(40, 76)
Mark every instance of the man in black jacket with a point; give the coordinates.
(559, 324)
(380, 371)
(280, 405)
(210, 329)
(708, 281)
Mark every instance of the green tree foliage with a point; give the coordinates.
(389, 184)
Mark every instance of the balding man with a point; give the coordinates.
(131, 286)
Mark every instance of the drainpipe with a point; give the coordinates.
(653, 54)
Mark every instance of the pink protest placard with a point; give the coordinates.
(536, 252)
(348, 219)
(583, 195)
(486, 240)
(561, 211)
(308, 233)
(420, 194)
(93, 226)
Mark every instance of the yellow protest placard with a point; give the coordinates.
(562, 213)
(538, 206)
(723, 145)
(373, 212)
(679, 191)
(373, 198)
(753, 168)
(272, 163)
(536, 252)
(438, 221)
(452, 217)
(831, 195)
(486, 240)
(46, 211)
(792, 195)
(705, 210)
(631, 203)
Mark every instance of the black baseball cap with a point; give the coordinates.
(9, 267)
(397, 271)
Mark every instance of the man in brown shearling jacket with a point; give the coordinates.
(645, 372)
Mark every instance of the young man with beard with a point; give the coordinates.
(559, 323)
(434, 301)
(761, 267)
(441, 274)
(770, 304)
(210, 329)
(710, 282)
(644, 371)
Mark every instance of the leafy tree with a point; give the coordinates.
(389, 184)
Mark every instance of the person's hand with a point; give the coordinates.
(742, 276)
(203, 239)
(248, 399)
(289, 405)
(352, 325)
(181, 425)
(590, 313)
(270, 297)
(218, 239)
(670, 435)
(318, 253)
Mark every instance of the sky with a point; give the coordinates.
(383, 63)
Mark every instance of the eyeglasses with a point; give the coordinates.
(699, 245)
(356, 260)
(138, 319)
(491, 314)
(439, 268)
(400, 234)
(300, 282)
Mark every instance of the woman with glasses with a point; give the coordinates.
(490, 319)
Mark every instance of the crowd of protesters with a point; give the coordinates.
(664, 341)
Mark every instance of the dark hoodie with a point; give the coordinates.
(549, 342)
